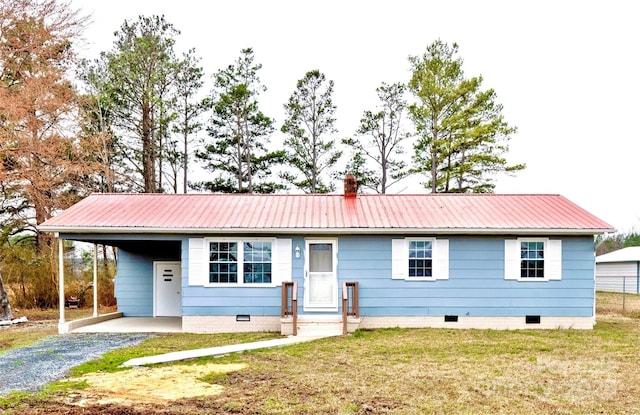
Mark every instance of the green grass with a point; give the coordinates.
(167, 343)
(217, 378)
(15, 400)
(11, 338)
(42, 323)
(448, 371)
(426, 371)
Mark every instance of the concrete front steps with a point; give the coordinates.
(320, 325)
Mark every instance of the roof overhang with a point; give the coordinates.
(325, 231)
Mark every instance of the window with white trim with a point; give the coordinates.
(417, 259)
(420, 258)
(533, 259)
(240, 262)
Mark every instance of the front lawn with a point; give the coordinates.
(401, 371)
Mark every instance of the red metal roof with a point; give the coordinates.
(426, 213)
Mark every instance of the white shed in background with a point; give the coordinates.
(619, 271)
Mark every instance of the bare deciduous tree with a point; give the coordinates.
(42, 165)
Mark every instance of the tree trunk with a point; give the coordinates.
(41, 239)
(434, 171)
(5, 307)
(105, 259)
(461, 173)
(148, 151)
(160, 160)
(383, 181)
(240, 159)
(247, 148)
(186, 150)
(115, 256)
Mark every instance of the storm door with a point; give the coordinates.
(320, 284)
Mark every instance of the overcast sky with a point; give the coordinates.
(566, 72)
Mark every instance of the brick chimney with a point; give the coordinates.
(350, 186)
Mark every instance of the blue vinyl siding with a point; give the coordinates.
(214, 302)
(231, 301)
(134, 284)
(134, 278)
(476, 284)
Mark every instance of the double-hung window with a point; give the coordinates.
(240, 262)
(257, 263)
(420, 259)
(223, 262)
(533, 259)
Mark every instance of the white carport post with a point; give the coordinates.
(95, 280)
(61, 280)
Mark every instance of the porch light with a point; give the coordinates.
(297, 251)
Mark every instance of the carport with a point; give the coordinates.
(117, 321)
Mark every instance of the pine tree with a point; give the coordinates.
(379, 142)
(141, 70)
(237, 154)
(462, 133)
(310, 119)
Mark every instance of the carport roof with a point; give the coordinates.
(314, 214)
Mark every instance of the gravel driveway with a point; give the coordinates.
(31, 367)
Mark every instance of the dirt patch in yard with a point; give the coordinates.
(152, 385)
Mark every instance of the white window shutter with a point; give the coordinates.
(399, 259)
(441, 259)
(511, 259)
(553, 259)
(198, 267)
(281, 261)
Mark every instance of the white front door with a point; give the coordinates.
(168, 283)
(320, 282)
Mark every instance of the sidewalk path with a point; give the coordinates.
(219, 351)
